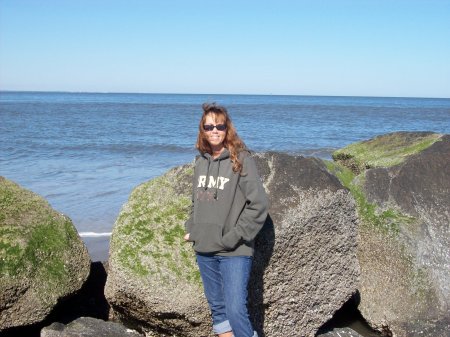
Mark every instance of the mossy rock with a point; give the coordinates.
(149, 259)
(42, 258)
(401, 184)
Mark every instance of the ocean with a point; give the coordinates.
(85, 152)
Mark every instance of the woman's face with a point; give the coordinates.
(215, 137)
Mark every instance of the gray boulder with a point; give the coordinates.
(305, 267)
(404, 250)
(88, 327)
(42, 258)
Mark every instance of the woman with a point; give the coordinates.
(229, 209)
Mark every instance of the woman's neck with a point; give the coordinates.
(216, 152)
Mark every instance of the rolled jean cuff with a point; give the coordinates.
(222, 327)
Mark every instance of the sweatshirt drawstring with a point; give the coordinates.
(217, 179)
(215, 176)
(207, 173)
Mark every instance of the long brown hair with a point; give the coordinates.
(232, 141)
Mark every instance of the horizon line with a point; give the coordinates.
(216, 94)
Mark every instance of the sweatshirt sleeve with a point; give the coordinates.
(188, 223)
(254, 214)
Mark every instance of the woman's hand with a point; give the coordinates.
(186, 237)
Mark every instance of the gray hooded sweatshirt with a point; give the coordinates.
(228, 208)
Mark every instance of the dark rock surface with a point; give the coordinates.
(340, 332)
(420, 186)
(305, 267)
(88, 327)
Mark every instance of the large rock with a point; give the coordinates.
(42, 258)
(404, 249)
(88, 327)
(305, 267)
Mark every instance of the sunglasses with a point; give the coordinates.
(219, 127)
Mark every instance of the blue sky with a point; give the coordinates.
(342, 48)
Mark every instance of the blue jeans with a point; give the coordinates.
(225, 280)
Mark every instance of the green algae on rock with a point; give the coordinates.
(151, 224)
(42, 258)
(370, 215)
(385, 150)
